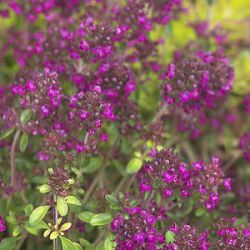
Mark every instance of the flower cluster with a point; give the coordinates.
(98, 88)
(166, 173)
(40, 93)
(232, 235)
(198, 82)
(188, 237)
(58, 181)
(136, 230)
(209, 180)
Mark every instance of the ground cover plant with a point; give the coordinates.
(124, 124)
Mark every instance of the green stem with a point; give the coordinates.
(55, 215)
(12, 158)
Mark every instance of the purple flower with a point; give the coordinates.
(2, 224)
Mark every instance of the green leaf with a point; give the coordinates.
(85, 216)
(8, 244)
(85, 243)
(66, 226)
(94, 165)
(134, 165)
(38, 214)
(67, 244)
(24, 142)
(35, 228)
(17, 230)
(73, 200)
(101, 219)
(200, 212)
(44, 188)
(62, 206)
(46, 233)
(28, 209)
(54, 235)
(169, 236)
(25, 116)
(7, 133)
(111, 199)
(77, 246)
(109, 243)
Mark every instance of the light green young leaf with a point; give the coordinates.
(46, 233)
(134, 165)
(17, 230)
(170, 237)
(77, 246)
(85, 216)
(73, 200)
(62, 206)
(25, 116)
(45, 188)
(101, 219)
(66, 226)
(67, 244)
(109, 243)
(38, 214)
(54, 235)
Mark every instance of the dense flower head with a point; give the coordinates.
(58, 181)
(115, 79)
(164, 169)
(232, 235)
(167, 174)
(135, 230)
(245, 145)
(87, 86)
(197, 82)
(188, 237)
(41, 93)
(209, 181)
(90, 110)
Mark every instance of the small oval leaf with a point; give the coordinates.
(73, 200)
(109, 243)
(85, 216)
(54, 235)
(66, 226)
(62, 206)
(101, 219)
(25, 116)
(38, 214)
(44, 188)
(46, 233)
(24, 142)
(134, 165)
(67, 244)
